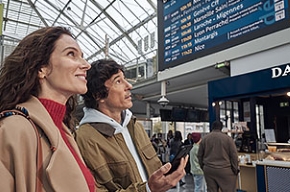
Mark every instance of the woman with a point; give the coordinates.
(42, 75)
(188, 140)
(175, 144)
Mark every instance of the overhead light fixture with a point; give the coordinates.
(222, 64)
(219, 103)
(223, 67)
(284, 104)
(163, 101)
(288, 94)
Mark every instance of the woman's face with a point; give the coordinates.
(66, 73)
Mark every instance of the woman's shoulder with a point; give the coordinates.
(18, 141)
(16, 125)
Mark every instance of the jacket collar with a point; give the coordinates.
(104, 128)
(107, 129)
(41, 117)
(92, 116)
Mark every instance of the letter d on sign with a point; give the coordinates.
(276, 72)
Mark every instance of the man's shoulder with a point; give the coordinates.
(89, 128)
(84, 129)
(209, 135)
(84, 126)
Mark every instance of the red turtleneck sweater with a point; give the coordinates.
(57, 112)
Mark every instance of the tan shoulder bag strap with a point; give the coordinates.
(22, 111)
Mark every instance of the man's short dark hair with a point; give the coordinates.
(217, 125)
(97, 75)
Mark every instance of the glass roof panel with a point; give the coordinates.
(124, 30)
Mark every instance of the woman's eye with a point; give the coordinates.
(71, 53)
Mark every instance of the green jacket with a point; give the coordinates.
(108, 157)
(194, 164)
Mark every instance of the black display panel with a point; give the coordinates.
(165, 114)
(193, 115)
(178, 114)
(190, 29)
(204, 116)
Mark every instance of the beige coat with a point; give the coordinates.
(18, 146)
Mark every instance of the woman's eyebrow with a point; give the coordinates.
(75, 49)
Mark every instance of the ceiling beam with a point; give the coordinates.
(146, 20)
(32, 5)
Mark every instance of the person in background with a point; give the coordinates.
(160, 137)
(114, 145)
(169, 138)
(153, 137)
(40, 78)
(218, 158)
(195, 169)
(155, 143)
(188, 141)
(175, 145)
(162, 148)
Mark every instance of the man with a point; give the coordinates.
(115, 147)
(217, 156)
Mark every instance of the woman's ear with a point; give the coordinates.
(42, 72)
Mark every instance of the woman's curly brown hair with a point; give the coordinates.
(19, 72)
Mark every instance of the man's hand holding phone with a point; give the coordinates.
(161, 181)
(182, 152)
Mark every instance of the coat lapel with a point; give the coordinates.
(59, 161)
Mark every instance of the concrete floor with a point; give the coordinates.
(188, 187)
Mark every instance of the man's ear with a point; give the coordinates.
(101, 101)
(97, 97)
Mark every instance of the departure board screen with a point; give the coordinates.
(190, 29)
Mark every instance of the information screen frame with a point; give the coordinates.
(173, 20)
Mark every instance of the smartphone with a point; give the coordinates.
(182, 152)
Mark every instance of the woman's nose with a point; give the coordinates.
(86, 64)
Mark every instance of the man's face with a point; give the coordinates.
(119, 95)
